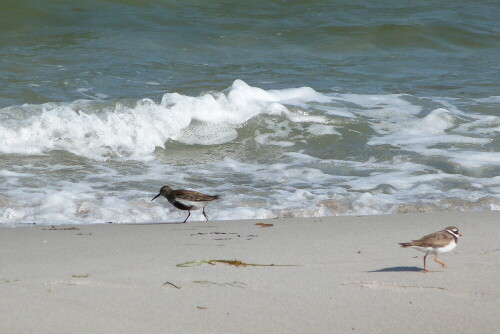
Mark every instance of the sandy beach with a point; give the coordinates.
(314, 275)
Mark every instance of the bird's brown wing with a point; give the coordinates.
(194, 196)
(438, 239)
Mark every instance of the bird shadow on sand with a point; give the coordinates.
(396, 269)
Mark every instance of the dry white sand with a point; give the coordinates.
(343, 275)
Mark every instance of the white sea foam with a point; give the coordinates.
(207, 134)
(488, 125)
(321, 130)
(490, 99)
(379, 106)
(133, 132)
(297, 187)
(439, 127)
(289, 153)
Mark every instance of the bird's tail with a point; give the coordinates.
(405, 244)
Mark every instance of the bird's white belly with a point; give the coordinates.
(195, 205)
(451, 246)
(436, 251)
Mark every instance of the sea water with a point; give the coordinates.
(283, 108)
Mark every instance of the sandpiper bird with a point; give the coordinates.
(186, 199)
(436, 243)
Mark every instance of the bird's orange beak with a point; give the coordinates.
(460, 234)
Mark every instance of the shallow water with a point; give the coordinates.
(285, 109)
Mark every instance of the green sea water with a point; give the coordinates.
(135, 49)
(289, 108)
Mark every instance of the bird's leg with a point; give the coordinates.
(189, 214)
(206, 217)
(425, 269)
(441, 263)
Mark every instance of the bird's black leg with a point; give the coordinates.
(206, 217)
(189, 214)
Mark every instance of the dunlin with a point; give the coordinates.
(436, 243)
(186, 199)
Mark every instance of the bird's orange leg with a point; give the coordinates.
(441, 263)
(425, 269)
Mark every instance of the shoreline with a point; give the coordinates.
(303, 275)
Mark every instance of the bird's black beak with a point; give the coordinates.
(156, 196)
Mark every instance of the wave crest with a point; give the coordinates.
(100, 131)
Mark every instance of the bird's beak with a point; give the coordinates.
(460, 234)
(156, 196)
